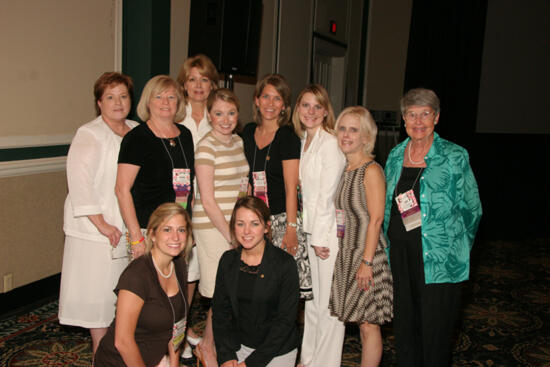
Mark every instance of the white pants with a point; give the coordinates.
(286, 360)
(323, 334)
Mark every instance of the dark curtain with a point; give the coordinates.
(444, 54)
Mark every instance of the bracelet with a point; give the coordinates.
(133, 243)
(367, 263)
(291, 224)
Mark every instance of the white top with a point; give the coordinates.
(91, 176)
(197, 132)
(321, 167)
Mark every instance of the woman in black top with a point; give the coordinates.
(256, 297)
(156, 160)
(151, 311)
(272, 149)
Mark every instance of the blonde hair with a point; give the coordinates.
(367, 126)
(155, 86)
(321, 95)
(205, 67)
(161, 215)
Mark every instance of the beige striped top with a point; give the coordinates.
(230, 166)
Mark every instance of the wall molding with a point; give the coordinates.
(26, 141)
(32, 166)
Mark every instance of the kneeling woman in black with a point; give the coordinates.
(255, 302)
(151, 308)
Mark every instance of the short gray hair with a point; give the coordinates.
(419, 97)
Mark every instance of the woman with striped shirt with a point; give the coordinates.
(222, 175)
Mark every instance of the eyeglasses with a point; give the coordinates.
(424, 115)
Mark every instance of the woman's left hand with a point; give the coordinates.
(290, 241)
(322, 252)
(173, 355)
(364, 277)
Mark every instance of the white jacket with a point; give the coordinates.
(91, 176)
(321, 167)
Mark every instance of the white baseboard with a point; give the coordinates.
(32, 166)
(27, 141)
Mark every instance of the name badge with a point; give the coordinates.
(178, 332)
(340, 223)
(181, 181)
(409, 209)
(259, 181)
(243, 187)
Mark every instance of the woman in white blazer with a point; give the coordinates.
(321, 165)
(94, 254)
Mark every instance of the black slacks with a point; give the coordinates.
(424, 314)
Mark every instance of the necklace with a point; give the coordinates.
(160, 272)
(410, 159)
(171, 141)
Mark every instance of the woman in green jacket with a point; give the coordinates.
(431, 218)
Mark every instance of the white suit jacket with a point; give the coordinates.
(91, 175)
(321, 167)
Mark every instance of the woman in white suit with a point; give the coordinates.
(321, 165)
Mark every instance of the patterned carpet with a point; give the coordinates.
(506, 318)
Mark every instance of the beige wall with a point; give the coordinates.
(31, 226)
(52, 53)
(179, 34)
(388, 37)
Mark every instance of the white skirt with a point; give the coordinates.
(88, 278)
(210, 247)
(193, 272)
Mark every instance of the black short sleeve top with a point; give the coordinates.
(285, 146)
(156, 158)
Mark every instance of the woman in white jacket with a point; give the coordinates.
(94, 255)
(321, 165)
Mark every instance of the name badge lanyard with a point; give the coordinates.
(259, 178)
(181, 177)
(178, 328)
(408, 205)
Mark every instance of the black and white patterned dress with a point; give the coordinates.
(347, 301)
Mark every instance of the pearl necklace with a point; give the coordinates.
(160, 272)
(410, 159)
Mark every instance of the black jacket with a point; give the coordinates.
(276, 296)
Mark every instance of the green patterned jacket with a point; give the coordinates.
(450, 208)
